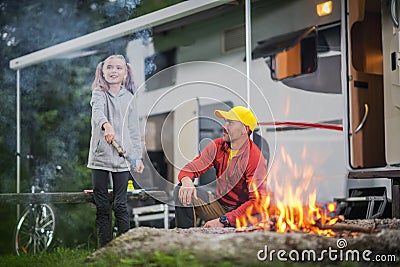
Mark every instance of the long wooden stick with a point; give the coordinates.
(119, 149)
(347, 227)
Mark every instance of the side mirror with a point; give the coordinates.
(297, 60)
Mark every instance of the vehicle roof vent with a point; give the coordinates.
(233, 38)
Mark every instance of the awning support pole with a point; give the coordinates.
(248, 49)
(18, 154)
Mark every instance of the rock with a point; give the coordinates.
(247, 247)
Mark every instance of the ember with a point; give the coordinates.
(292, 207)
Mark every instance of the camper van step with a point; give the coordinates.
(371, 200)
(359, 199)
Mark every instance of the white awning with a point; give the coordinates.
(159, 17)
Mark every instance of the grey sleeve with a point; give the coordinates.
(134, 133)
(98, 103)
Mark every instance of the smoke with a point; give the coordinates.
(45, 175)
(7, 35)
(146, 36)
(149, 66)
(113, 7)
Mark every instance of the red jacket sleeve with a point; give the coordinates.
(201, 163)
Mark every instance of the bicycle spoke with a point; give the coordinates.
(40, 242)
(35, 230)
(50, 221)
(25, 244)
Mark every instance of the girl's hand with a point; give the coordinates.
(108, 132)
(140, 166)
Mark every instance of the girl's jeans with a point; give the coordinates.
(100, 180)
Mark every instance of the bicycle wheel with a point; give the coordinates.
(35, 229)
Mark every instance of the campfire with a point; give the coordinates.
(292, 205)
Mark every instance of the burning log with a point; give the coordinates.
(340, 227)
(267, 226)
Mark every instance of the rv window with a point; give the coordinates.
(299, 59)
(274, 45)
(326, 78)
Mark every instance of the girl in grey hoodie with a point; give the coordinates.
(113, 119)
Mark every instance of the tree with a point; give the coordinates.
(55, 97)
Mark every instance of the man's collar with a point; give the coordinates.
(245, 145)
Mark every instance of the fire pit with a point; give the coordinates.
(242, 248)
(291, 206)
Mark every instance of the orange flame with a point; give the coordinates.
(292, 207)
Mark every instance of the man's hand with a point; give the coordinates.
(186, 191)
(108, 132)
(213, 224)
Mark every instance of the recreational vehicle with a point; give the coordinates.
(321, 76)
(324, 81)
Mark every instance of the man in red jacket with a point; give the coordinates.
(241, 175)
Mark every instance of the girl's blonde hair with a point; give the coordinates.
(100, 82)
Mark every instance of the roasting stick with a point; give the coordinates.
(119, 149)
(122, 153)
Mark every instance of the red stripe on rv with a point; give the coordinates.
(303, 125)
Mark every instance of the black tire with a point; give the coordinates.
(35, 229)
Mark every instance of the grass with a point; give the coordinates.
(61, 257)
(57, 257)
(76, 257)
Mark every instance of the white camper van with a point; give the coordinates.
(324, 87)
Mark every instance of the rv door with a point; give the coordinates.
(366, 130)
(391, 59)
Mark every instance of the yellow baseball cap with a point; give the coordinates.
(239, 113)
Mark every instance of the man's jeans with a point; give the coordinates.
(206, 207)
